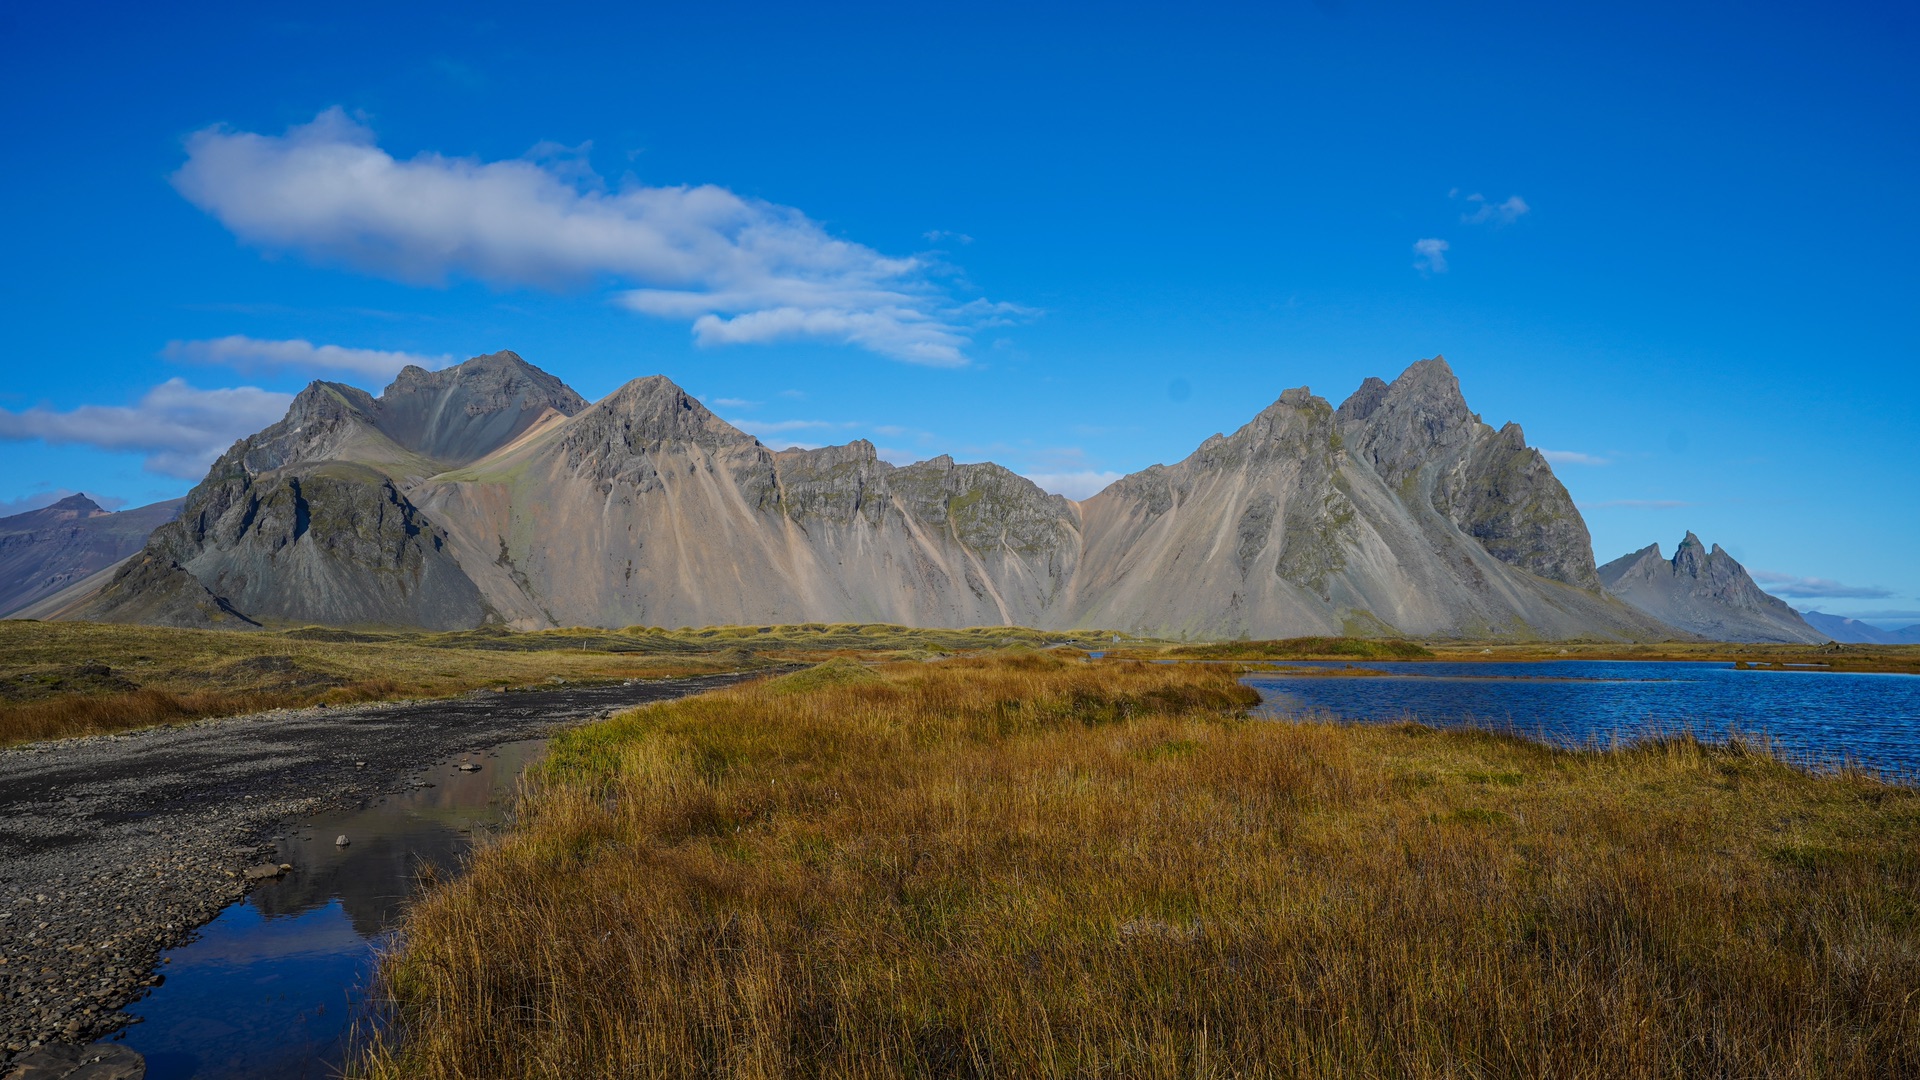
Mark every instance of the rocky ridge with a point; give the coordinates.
(489, 493)
(1704, 592)
(1855, 632)
(50, 549)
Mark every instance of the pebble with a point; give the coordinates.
(93, 890)
(99, 1061)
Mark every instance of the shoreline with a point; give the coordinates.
(116, 847)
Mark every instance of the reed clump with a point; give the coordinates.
(1026, 866)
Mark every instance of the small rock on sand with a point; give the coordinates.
(341, 840)
(263, 872)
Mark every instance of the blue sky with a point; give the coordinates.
(1679, 247)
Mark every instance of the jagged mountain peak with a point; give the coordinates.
(77, 503)
(647, 415)
(75, 507)
(1416, 419)
(1362, 402)
(461, 413)
(323, 421)
(1703, 591)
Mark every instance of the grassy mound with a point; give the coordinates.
(1030, 867)
(839, 671)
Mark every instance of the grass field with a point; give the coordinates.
(1027, 865)
(60, 678)
(63, 678)
(1880, 658)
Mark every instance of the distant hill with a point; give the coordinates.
(43, 551)
(489, 493)
(1853, 631)
(1706, 593)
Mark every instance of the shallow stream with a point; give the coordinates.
(272, 987)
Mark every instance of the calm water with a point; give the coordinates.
(270, 988)
(1819, 717)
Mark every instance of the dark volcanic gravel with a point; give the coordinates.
(115, 847)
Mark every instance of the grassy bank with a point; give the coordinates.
(62, 678)
(1302, 648)
(1026, 866)
(1834, 657)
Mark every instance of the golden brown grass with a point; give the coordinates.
(50, 686)
(1028, 867)
(1302, 648)
(1881, 658)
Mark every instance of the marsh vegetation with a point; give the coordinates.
(1030, 865)
(59, 679)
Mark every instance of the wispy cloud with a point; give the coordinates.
(178, 429)
(1797, 587)
(1077, 485)
(1433, 255)
(247, 355)
(768, 429)
(1895, 615)
(1497, 213)
(738, 269)
(1573, 457)
(1635, 504)
(735, 403)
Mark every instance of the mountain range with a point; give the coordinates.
(1853, 631)
(1706, 593)
(489, 493)
(45, 551)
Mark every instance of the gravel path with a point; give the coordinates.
(115, 847)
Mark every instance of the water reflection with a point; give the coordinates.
(1818, 717)
(269, 988)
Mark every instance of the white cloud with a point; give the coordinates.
(766, 429)
(1793, 585)
(1896, 615)
(177, 428)
(1573, 457)
(1433, 255)
(247, 354)
(1500, 213)
(739, 269)
(735, 403)
(1082, 484)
